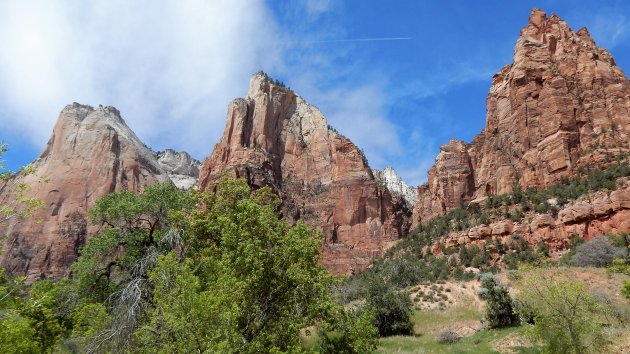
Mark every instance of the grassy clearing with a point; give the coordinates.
(465, 316)
(482, 342)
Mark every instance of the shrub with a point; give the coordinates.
(500, 308)
(573, 243)
(620, 240)
(625, 291)
(598, 252)
(448, 337)
(564, 315)
(618, 265)
(391, 308)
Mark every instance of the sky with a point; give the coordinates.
(399, 78)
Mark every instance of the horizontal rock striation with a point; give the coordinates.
(590, 216)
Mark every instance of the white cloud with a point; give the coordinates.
(170, 67)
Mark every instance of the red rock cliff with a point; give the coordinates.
(274, 138)
(562, 104)
(91, 153)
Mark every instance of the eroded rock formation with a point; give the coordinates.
(590, 216)
(562, 104)
(396, 186)
(91, 153)
(181, 168)
(274, 138)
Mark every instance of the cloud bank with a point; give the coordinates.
(170, 67)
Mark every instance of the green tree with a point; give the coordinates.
(500, 307)
(391, 306)
(565, 316)
(28, 324)
(354, 332)
(113, 267)
(178, 272)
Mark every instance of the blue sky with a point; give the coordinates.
(172, 67)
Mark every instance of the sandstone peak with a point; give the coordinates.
(554, 109)
(262, 83)
(537, 17)
(395, 184)
(182, 169)
(92, 152)
(273, 137)
(453, 145)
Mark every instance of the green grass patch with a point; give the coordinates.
(482, 342)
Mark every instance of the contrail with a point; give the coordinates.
(363, 40)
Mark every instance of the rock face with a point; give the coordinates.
(590, 216)
(562, 104)
(182, 169)
(396, 186)
(91, 153)
(450, 182)
(274, 138)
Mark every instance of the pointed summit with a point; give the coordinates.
(92, 152)
(275, 138)
(537, 17)
(548, 113)
(395, 184)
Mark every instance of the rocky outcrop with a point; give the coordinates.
(396, 186)
(274, 138)
(91, 153)
(590, 216)
(562, 104)
(450, 182)
(181, 168)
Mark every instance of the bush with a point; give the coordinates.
(625, 291)
(618, 265)
(564, 316)
(598, 252)
(391, 308)
(620, 240)
(500, 308)
(448, 337)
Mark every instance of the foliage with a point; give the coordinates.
(353, 333)
(619, 265)
(520, 252)
(23, 206)
(28, 324)
(391, 306)
(598, 252)
(620, 240)
(500, 308)
(448, 337)
(175, 271)
(625, 290)
(565, 316)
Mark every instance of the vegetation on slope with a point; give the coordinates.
(187, 272)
